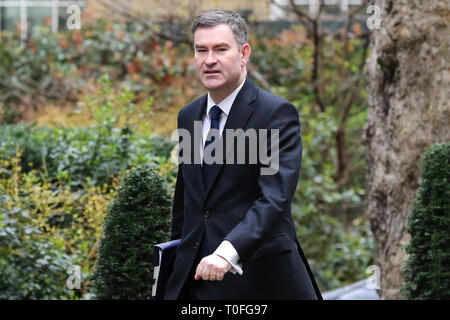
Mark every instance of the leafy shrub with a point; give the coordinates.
(426, 274)
(44, 229)
(30, 266)
(329, 218)
(63, 177)
(58, 66)
(337, 256)
(98, 152)
(79, 153)
(21, 136)
(137, 218)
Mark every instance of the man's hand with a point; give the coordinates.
(212, 267)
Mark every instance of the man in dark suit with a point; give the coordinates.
(234, 216)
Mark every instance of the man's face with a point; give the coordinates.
(219, 60)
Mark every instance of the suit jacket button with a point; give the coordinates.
(206, 214)
(196, 245)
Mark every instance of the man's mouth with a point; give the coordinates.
(212, 72)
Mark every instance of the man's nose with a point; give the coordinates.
(211, 58)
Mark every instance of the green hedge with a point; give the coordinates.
(56, 162)
(75, 154)
(31, 267)
(427, 273)
(137, 218)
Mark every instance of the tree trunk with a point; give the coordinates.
(409, 81)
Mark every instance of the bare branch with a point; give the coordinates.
(258, 76)
(357, 9)
(142, 19)
(317, 40)
(302, 16)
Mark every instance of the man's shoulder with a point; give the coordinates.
(270, 106)
(267, 96)
(195, 102)
(270, 102)
(192, 105)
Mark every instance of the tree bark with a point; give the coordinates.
(409, 81)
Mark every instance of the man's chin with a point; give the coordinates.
(210, 84)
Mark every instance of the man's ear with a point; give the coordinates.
(246, 50)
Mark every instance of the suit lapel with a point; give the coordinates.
(196, 140)
(240, 112)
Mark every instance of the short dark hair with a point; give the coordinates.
(214, 17)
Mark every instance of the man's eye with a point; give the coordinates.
(222, 49)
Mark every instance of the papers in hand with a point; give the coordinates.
(164, 258)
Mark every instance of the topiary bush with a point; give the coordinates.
(427, 273)
(137, 218)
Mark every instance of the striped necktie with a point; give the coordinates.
(214, 115)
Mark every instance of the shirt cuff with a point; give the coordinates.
(229, 253)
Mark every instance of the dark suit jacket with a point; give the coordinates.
(250, 210)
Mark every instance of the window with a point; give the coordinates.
(9, 16)
(312, 6)
(29, 13)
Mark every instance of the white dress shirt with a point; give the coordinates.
(225, 249)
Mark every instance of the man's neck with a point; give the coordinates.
(218, 97)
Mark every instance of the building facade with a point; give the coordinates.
(28, 13)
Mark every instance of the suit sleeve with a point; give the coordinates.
(277, 189)
(178, 206)
(178, 202)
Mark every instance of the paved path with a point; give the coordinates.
(354, 291)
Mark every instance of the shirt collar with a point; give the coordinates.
(225, 104)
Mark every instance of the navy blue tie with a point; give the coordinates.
(214, 115)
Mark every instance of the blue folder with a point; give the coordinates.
(164, 258)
